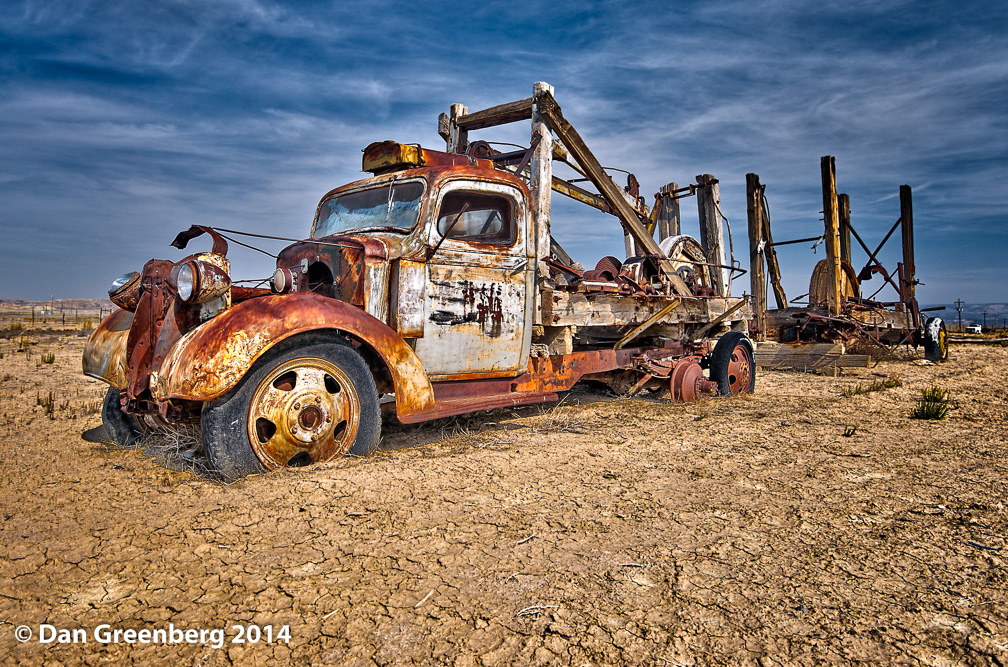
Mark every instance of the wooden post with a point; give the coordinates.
(629, 245)
(831, 219)
(711, 229)
(909, 285)
(843, 202)
(542, 180)
(773, 268)
(458, 139)
(669, 217)
(754, 207)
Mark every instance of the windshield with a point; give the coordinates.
(394, 205)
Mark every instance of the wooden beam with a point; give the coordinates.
(754, 208)
(831, 220)
(773, 268)
(458, 138)
(542, 180)
(669, 219)
(444, 127)
(711, 229)
(808, 356)
(843, 202)
(502, 114)
(909, 270)
(642, 327)
(580, 194)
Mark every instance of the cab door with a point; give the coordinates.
(478, 302)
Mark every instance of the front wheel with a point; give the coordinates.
(733, 364)
(298, 406)
(935, 339)
(122, 427)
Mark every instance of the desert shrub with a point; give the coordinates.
(48, 358)
(16, 326)
(933, 404)
(87, 324)
(23, 342)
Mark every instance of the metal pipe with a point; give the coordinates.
(777, 243)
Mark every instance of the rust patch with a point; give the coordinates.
(480, 303)
(211, 359)
(105, 352)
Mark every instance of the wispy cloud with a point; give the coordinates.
(122, 123)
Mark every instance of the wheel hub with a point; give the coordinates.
(687, 382)
(739, 370)
(309, 415)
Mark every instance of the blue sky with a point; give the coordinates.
(125, 122)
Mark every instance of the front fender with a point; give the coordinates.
(105, 350)
(211, 359)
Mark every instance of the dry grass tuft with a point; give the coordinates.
(933, 403)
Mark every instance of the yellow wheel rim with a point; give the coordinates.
(303, 412)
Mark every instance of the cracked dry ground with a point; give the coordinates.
(601, 531)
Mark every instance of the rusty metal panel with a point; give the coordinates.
(211, 359)
(382, 156)
(105, 352)
(478, 297)
(408, 298)
(376, 291)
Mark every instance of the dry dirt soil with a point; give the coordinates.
(600, 531)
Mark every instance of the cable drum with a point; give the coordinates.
(689, 260)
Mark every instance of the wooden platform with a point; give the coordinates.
(809, 356)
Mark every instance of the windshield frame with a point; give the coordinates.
(383, 184)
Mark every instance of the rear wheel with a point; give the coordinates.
(298, 406)
(733, 364)
(935, 339)
(122, 427)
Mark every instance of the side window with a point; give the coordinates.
(486, 219)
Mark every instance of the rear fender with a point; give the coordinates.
(105, 351)
(212, 358)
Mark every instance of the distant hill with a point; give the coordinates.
(973, 313)
(58, 304)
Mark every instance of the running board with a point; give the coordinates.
(456, 406)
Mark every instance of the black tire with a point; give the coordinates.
(935, 340)
(122, 427)
(308, 367)
(732, 358)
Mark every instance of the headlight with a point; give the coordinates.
(199, 281)
(283, 281)
(186, 281)
(125, 291)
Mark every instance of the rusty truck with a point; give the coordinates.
(432, 288)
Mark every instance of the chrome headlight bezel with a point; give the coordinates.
(125, 291)
(186, 281)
